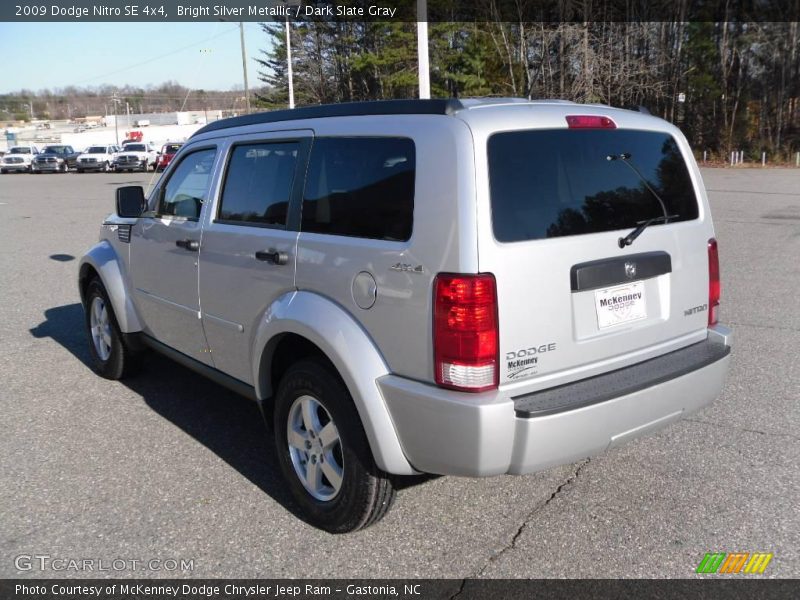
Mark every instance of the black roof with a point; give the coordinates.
(345, 109)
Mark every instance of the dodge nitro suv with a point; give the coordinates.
(465, 287)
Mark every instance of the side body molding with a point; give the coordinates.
(351, 351)
(104, 259)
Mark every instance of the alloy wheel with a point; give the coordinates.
(315, 448)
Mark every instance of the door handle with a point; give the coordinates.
(273, 256)
(192, 245)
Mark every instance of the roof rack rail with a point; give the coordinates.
(346, 109)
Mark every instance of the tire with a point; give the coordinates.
(111, 358)
(80, 170)
(310, 400)
(3, 171)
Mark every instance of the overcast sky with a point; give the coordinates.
(207, 56)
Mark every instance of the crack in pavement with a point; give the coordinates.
(460, 589)
(743, 430)
(757, 326)
(513, 542)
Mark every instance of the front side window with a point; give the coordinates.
(187, 188)
(559, 182)
(361, 187)
(258, 183)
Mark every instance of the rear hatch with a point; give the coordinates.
(572, 302)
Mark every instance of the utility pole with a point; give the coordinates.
(115, 100)
(289, 62)
(244, 68)
(422, 50)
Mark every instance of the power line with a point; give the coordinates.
(155, 58)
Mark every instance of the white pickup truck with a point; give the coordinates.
(19, 158)
(97, 158)
(136, 156)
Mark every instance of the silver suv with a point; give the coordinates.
(452, 287)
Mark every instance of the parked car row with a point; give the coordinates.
(62, 158)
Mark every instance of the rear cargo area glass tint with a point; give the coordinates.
(553, 183)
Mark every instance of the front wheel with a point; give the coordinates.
(324, 454)
(111, 358)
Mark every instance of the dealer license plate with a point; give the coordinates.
(620, 304)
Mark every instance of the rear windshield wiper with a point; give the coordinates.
(642, 225)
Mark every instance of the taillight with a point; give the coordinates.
(465, 337)
(714, 286)
(590, 122)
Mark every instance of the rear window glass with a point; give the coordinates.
(258, 183)
(553, 183)
(361, 187)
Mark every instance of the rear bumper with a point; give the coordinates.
(455, 433)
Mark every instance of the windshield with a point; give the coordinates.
(553, 183)
(135, 148)
(55, 149)
(96, 150)
(19, 150)
(170, 148)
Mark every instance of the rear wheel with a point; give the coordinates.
(324, 453)
(111, 358)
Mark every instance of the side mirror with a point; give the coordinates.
(130, 201)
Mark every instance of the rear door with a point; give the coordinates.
(572, 302)
(248, 251)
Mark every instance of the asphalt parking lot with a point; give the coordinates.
(170, 466)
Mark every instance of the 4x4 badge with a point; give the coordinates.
(630, 270)
(405, 267)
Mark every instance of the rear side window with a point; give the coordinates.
(361, 187)
(553, 183)
(258, 184)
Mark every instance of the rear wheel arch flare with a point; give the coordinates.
(280, 353)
